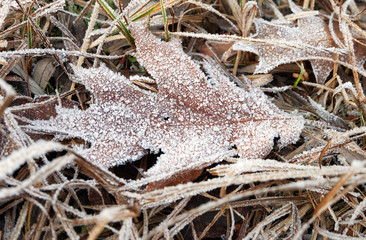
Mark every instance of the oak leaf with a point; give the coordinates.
(190, 119)
(276, 43)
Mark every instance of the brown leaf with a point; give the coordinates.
(38, 108)
(43, 107)
(193, 119)
(277, 44)
(180, 178)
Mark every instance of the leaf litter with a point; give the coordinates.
(229, 161)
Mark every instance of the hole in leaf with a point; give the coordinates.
(132, 169)
(276, 144)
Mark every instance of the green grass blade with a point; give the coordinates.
(167, 37)
(121, 25)
(299, 78)
(142, 15)
(29, 31)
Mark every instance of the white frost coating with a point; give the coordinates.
(133, 5)
(358, 210)
(213, 10)
(189, 120)
(276, 89)
(4, 9)
(114, 214)
(12, 162)
(323, 113)
(7, 88)
(333, 33)
(294, 8)
(347, 85)
(42, 173)
(257, 165)
(49, 9)
(256, 232)
(277, 44)
(39, 51)
(142, 79)
(337, 141)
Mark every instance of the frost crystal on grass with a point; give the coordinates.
(189, 119)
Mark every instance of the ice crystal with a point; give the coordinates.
(277, 44)
(189, 119)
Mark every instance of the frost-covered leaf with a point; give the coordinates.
(190, 119)
(277, 44)
(4, 9)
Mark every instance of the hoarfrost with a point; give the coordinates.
(188, 120)
(4, 9)
(324, 114)
(311, 39)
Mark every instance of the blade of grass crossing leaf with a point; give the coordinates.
(127, 34)
(107, 9)
(299, 78)
(142, 15)
(165, 21)
(142, 6)
(86, 39)
(121, 26)
(152, 9)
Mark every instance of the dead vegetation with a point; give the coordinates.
(108, 132)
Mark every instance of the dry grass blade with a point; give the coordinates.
(162, 139)
(35, 178)
(86, 40)
(113, 214)
(332, 193)
(9, 164)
